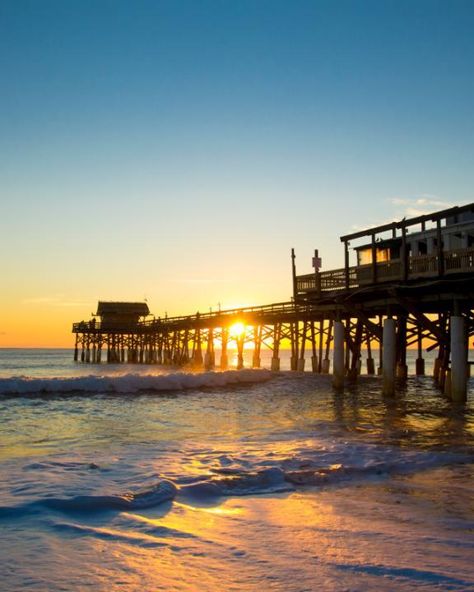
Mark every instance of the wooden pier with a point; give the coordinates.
(412, 285)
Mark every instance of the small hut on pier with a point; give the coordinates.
(117, 315)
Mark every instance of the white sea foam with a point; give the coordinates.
(272, 480)
(161, 492)
(132, 383)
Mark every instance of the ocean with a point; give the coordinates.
(149, 478)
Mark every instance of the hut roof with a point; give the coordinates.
(135, 308)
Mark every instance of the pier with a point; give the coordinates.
(411, 286)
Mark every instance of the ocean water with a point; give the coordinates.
(144, 478)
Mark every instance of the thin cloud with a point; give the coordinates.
(74, 303)
(418, 205)
(40, 300)
(201, 280)
(409, 207)
(54, 301)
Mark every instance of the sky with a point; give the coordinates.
(175, 151)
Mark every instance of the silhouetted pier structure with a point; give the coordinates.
(412, 284)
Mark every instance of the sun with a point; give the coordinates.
(237, 329)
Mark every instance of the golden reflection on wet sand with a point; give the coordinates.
(310, 540)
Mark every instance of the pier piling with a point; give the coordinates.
(459, 352)
(338, 355)
(389, 357)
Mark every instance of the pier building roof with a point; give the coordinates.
(122, 308)
(451, 216)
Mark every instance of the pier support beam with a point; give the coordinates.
(447, 383)
(420, 367)
(294, 346)
(208, 365)
(224, 357)
(240, 352)
(420, 362)
(197, 350)
(321, 346)
(444, 367)
(459, 352)
(355, 363)
(209, 358)
(301, 361)
(389, 357)
(380, 366)
(402, 368)
(338, 355)
(257, 343)
(276, 347)
(326, 363)
(436, 367)
(370, 359)
(224, 361)
(314, 357)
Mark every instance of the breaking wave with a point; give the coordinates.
(131, 383)
(287, 475)
(161, 492)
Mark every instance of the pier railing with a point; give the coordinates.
(220, 317)
(420, 266)
(97, 327)
(460, 260)
(423, 265)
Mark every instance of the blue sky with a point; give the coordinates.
(178, 150)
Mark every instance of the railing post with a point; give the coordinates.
(439, 240)
(374, 261)
(293, 271)
(346, 263)
(404, 255)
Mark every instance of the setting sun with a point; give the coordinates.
(237, 329)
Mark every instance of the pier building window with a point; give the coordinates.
(364, 256)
